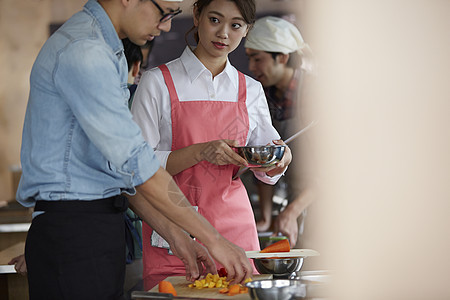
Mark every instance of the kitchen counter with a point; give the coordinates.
(15, 227)
(316, 287)
(14, 286)
(15, 220)
(7, 254)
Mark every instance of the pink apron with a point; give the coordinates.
(222, 201)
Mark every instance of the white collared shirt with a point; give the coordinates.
(193, 81)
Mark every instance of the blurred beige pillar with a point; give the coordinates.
(383, 142)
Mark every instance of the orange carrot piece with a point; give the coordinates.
(166, 287)
(234, 290)
(223, 291)
(280, 246)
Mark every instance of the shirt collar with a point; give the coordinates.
(194, 67)
(109, 33)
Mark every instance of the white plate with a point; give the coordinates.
(292, 253)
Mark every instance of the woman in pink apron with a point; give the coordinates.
(192, 111)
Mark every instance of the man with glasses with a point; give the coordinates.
(81, 151)
(166, 16)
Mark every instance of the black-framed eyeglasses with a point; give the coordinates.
(166, 16)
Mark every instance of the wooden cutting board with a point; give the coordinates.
(181, 286)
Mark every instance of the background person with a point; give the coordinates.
(134, 56)
(280, 60)
(192, 111)
(133, 224)
(81, 150)
(20, 264)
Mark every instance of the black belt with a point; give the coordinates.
(113, 204)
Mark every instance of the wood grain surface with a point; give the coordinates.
(181, 286)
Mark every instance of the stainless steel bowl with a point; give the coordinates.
(279, 267)
(277, 289)
(262, 155)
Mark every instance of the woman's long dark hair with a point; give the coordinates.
(247, 8)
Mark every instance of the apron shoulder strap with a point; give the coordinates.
(169, 82)
(242, 93)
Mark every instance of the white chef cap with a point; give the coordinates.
(272, 34)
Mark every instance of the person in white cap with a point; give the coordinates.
(279, 58)
(81, 150)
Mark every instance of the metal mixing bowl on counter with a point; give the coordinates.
(284, 267)
(276, 289)
(262, 156)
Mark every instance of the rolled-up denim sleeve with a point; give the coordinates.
(98, 97)
(140, 166)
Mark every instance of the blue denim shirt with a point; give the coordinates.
(79, 141)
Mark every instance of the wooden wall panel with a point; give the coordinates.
(24, 27)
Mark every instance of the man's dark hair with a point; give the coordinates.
(133, 52)
(294, 60)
